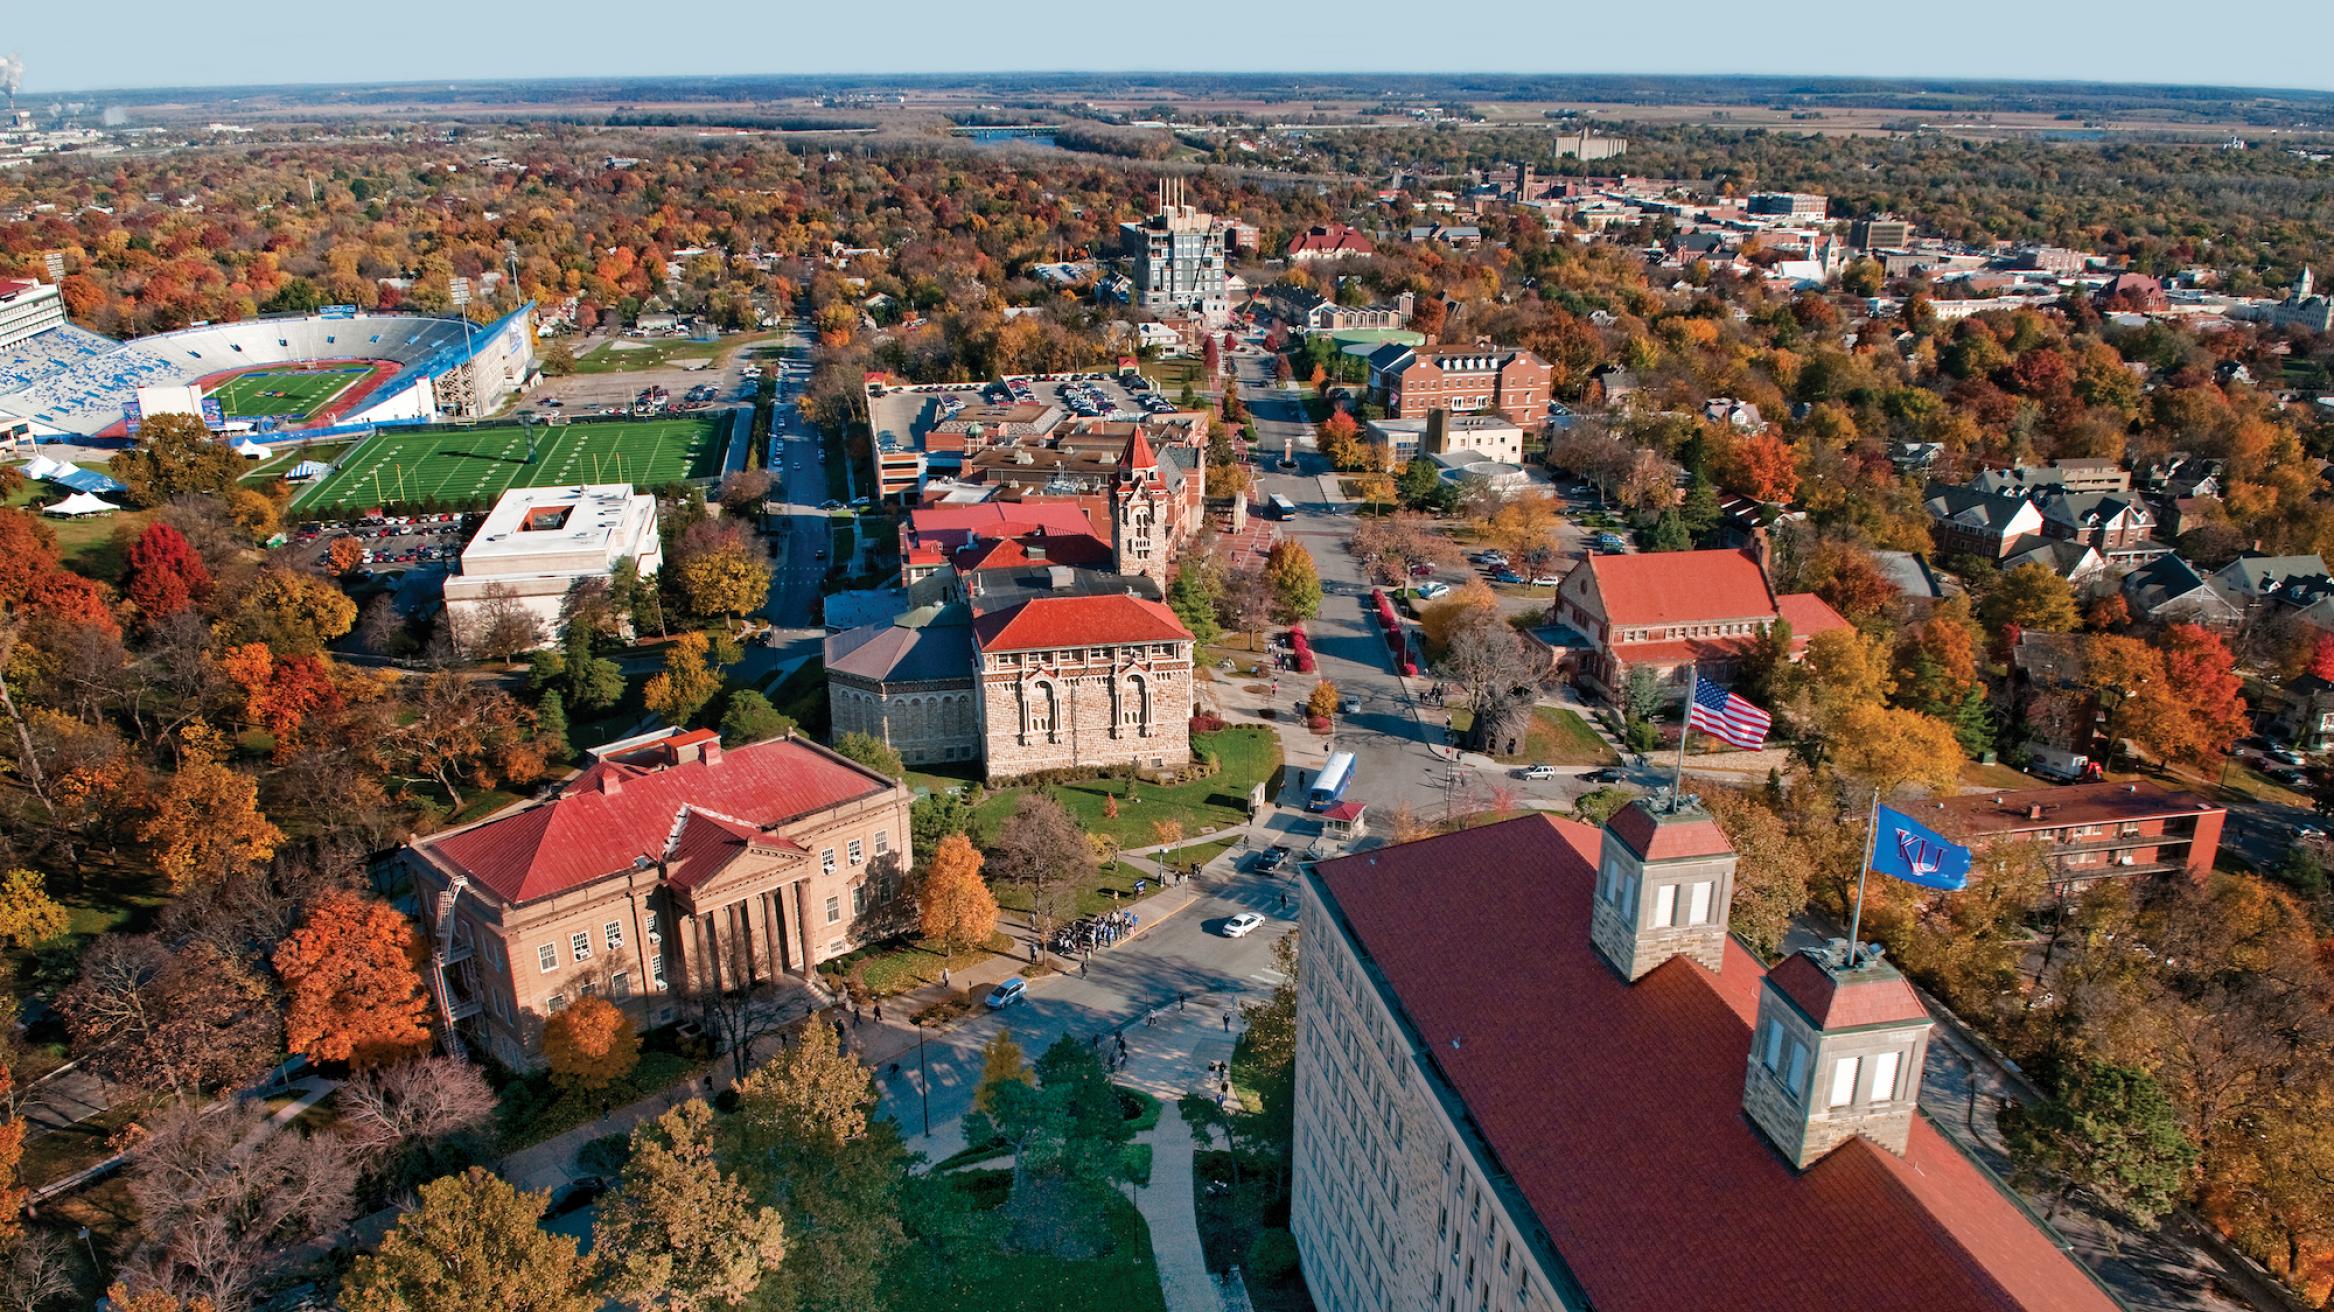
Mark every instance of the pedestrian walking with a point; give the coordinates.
(879, 1011)
(1122, 1045)
(1082, 967)
(944, 977)
(1227, 1022)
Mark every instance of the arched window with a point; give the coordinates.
(1134, 705)
(1037, 710)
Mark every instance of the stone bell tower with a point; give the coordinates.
(1138, 513)
(1840, 1046)
(1664, 882)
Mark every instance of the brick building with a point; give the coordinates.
(2117, 525)
(1990, 525)
(2093, 831)
(670, 864)
(1082, 681)
(1413, 380)
(1569, 1088)
(1669, 609)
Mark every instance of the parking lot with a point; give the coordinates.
(391, 543)
(1087, 395)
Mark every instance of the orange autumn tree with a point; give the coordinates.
(590, 1044)
(958, 911)
(354, 993)
(279, 694)
(13, 1194)
(207, 825)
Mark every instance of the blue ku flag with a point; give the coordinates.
(1904, 848)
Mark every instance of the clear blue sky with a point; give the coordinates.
(139, 43)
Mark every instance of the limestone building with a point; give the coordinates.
(672, 865)
(539, 542)
(1083, 681)
(1568, 1088)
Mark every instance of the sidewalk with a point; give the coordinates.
(1168, 1208)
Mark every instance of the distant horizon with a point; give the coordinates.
(431, 41)
(30, 96)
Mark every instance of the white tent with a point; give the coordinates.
(250, 449)
(308, 469)
(42, 468)
(80, 503)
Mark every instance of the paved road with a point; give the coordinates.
(1184, 954)
(798, 528)
(1399, 760)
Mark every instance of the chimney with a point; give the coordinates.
(1438, 432)
(1762, 553)
(1838, 1052)
(1664, 883)
(2034, 811)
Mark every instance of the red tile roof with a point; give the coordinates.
(1016, 552)
(1616, 1109)
(1680, 587)
(1879, 998)
(950, 527)
(1980, 815)
(1808, 615)
(1329, 239)
(1138, 451)
(1655, 838)
(1106, 620)
(613, 813)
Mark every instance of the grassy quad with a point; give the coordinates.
(473, 466)
(297, 393)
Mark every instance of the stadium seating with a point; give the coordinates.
(77, 381)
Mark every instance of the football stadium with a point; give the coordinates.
(468, 467)
(269, 378)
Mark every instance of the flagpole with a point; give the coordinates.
(1677, 787)
(1871, 845)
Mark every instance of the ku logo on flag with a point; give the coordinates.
(1918, 854)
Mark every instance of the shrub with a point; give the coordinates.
(1272, 1257)
(1206, 722)
(1317, 723)
(948, 1008)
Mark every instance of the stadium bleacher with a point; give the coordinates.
(75, 380)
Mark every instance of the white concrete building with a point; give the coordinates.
(28, 309)
(538, 542)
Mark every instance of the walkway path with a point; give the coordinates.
(1168, 1209)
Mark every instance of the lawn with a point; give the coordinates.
(471, 466)
(95, 545)
(1248, 754)
(1560, 737)
(1172, 376)
(886, 969)
(977, 1276)
(292, 393)
(623, 354)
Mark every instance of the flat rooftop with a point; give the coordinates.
(537, 521)
(1979, 814)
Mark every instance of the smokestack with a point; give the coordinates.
(12, 77)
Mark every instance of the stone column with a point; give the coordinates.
(774, 929)
(809, 968)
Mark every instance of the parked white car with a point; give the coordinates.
(1242, 925)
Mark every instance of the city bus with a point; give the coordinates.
(1330, 785)
(1282, 507)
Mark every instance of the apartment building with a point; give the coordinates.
(1787, 204)
(2094, 831)
(1533, 1073)
(1176, 258)
(28, 308)
(670, 865)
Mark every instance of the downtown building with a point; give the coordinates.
(1569, 1088)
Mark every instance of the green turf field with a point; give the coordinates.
(297, 393)
(470, 467)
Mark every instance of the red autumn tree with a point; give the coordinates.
(2201, 673)
(165, 575)
(34, 578)
(1766, 467)
(280, 693)
(354, 993)
(2322, 657)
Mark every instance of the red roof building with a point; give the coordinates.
(1491, 1112)
(1328, 241)
(1670, 609)
(2093, 831)
(671, 863)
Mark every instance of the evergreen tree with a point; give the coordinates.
(551, 724)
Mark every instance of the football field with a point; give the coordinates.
(469, 467)
(294, 393)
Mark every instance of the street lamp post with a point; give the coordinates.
(923, 1081)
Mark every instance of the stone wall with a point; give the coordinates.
(925, 723)
(1087, 727)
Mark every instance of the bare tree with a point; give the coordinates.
(37, 1270)
(1496, 674)
(170, 1021)
(222, 1194)
(503, 627)
(1041, 848)
(738, 1010)
(416, 1120)
(1391, 546)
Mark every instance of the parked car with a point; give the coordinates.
(1242, 925)
(1007, 993)
(1493, 559)
(1270, 859)
(575, 1195)
(1430, 591)
(1506, 576)
(1606, 775)
(1350, 706)
(1546, 580)
(1611, 542)
(2288, 755)
(1537, 772)
(1422, 571)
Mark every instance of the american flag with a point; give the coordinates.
(1721, 714)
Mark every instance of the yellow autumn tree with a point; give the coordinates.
(207, 824)
(958, 910)
(28, 915)
(688, 681)
(1891, 749)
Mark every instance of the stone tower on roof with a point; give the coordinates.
(1665, 878)
(1840, 1046)
(1138, 512)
